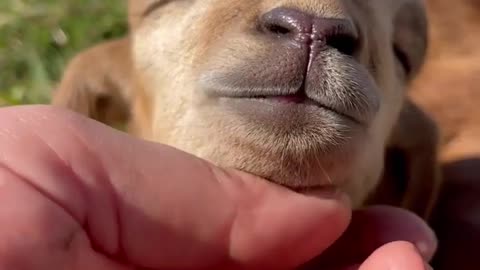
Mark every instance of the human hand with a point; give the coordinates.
(77, 195)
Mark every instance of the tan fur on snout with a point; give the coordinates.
(183, 51)
(215, 37)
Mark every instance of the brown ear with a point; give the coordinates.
(97, 83)
(412, 175)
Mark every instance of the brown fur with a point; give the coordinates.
(448, 89)
(97, 83)
(169, 56)
(412, 177)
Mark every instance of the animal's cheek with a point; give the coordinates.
(366, 175)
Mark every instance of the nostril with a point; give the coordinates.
(285, 21)
(336, 33)
(345, 44)
(277, 29)
(339, 34)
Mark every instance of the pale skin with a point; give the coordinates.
(78, 195)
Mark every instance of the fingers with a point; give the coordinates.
(382, 224)
(372, 228)
(157, 207)
(284, 229)
(395, 256)
(38, 234)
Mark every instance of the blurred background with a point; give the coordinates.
(39, 37)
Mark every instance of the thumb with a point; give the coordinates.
(156, 207)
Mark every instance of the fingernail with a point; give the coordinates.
(427, 248)
(423, 249)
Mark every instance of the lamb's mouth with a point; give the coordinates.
(300, 99)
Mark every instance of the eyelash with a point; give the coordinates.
(403, 59)
(154, 6)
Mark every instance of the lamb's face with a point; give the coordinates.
(301, 92)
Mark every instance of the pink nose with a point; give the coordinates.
(286, 23)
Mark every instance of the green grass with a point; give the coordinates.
(39, 37)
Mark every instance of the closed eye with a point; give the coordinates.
(402, 59)
(154, 6)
